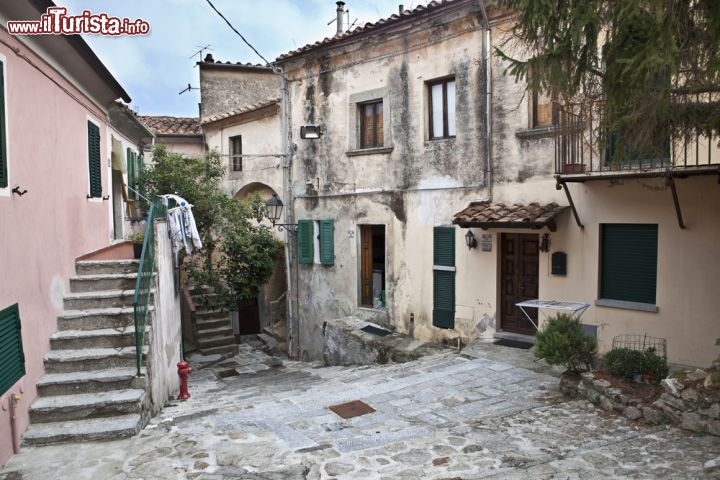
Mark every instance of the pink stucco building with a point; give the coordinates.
(55, 147)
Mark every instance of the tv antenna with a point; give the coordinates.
(188, 88)
(200, 52)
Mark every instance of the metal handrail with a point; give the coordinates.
(143, 284)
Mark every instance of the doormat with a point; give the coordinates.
(376, 331)
(503, 342)
(352, 409)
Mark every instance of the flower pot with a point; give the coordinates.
(137, 250)
(574, 168)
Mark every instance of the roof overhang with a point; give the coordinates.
(486, 215)
(677, 172)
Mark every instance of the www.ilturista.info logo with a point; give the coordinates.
(57, 22)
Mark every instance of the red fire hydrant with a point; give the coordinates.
(183, 372)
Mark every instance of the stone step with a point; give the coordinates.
(104, 299)
(97, 318)
(62, 408)
(205, 342)
(101, 338)
(208, 314)
(100, 267)
(66, 361)
(216, 332)
(90, 381)
(108, 281)
(92, 429)
(212, 323)
(223, 349)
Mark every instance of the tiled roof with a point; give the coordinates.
(254, 66)
(420, 9)
(246, 109)
(164, 125)
(485, 215)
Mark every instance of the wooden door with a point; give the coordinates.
(366, 264)
(249, 318)
(519, 281)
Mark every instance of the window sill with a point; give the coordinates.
(366, 308)
(641, 307)
(535, 132)
(369, 151)
(439, 140)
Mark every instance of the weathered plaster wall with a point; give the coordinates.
(42, 232)
(410, 188)
(166, 335)
(225, 89)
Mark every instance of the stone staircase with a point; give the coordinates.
(90, 390)
(213, 328)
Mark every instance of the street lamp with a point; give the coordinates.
(273, 211)
(470, 240)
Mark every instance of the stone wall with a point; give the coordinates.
(689, 400)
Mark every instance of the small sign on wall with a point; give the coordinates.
(486, 242)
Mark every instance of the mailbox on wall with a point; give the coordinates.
(559, 263)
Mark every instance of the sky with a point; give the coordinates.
(154, 68)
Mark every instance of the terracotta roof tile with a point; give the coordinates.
(246, 109)
(210, 61)
(165, 125)
(368, 27)
(485, 214)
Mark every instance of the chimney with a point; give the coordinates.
(402, 9)
(340, 17)
(209, 58)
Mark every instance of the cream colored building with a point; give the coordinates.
(384, 206)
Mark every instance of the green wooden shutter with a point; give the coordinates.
(131, 172)
(628, 262)
(306, 251)
(94, 160)
(444, 277)
(11, 350)
(3, 139)
(327, 242)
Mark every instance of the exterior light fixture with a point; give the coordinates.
(545, 243)
(273, 212)
(470, 240)
(310, 132)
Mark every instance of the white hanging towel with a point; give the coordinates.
(181, 223)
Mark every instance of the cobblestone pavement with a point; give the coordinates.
(490, 412)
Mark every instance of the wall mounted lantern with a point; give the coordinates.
(470, 240)
(273, 212)
(545, 243)
(310, 132)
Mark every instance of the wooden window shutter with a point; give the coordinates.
(628, 262)
(131, 172)
(306, 251)
(3, 138)
(379, 126)
(11, 350)
(94, 160)
(444, 277)
(327, 242)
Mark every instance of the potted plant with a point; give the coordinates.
(137, 239)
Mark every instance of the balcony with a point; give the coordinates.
(577, 157)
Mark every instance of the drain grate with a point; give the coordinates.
(352, 409)
(227, 373)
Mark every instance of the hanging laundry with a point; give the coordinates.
(181, 224)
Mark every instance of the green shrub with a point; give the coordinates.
(626, 363)
(138, 237)
(562, 342)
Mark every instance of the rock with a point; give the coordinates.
(601, 384)
(606, 403)
(694, 422)
(274, 362)
(712, 380)
(473, 448)
(712, 465)
(698, 374)
(713, 427)
(201, 465)
(335, 469)
(672, 386)
(653, 416)
(712, 412)
(690, 395)
(633, 413)
(441, 461)
(587, 378)
(672, 401)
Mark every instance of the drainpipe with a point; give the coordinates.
(488, 99)
(13, 399)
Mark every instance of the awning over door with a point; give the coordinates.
(498, 215)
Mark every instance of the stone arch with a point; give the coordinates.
(265, 191)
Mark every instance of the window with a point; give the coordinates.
(544, 113)
(3, 139)
(318, 248)
(444, 277)
(11, 349)
(371, 125)
(372, 266)
(94, 170)
(628, 262)
(236, 153)
(442, 108)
